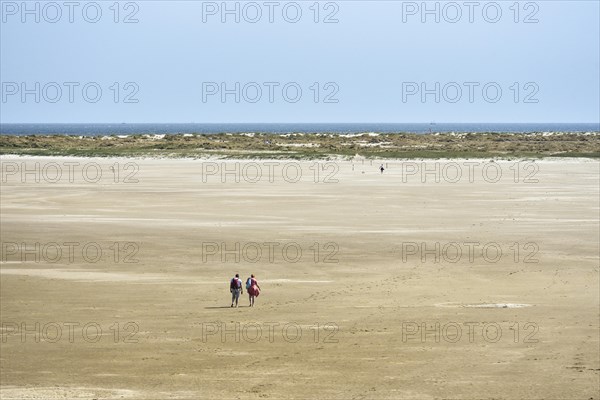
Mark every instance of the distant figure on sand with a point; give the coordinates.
(252, 288)
(381, 168)
(235, 287)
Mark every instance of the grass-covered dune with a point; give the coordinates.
(312, 146)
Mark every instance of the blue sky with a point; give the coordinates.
(373, 61)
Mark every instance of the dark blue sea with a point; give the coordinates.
(340, 128)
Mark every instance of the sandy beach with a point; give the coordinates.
(455, 279)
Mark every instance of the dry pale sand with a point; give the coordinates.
(376, 322)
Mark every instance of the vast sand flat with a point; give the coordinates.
(357, 301)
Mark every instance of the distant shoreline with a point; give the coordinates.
(103, 129)
(303, 146)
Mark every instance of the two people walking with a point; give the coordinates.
(235, 287)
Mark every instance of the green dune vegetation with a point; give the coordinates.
(312, 145)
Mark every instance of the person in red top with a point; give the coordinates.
(252, 288)
(235, 287)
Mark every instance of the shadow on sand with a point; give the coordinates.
(209, 308)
